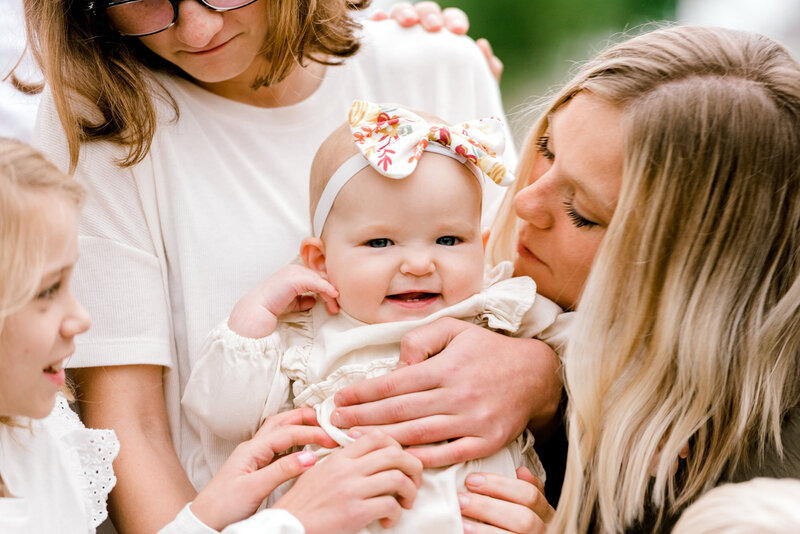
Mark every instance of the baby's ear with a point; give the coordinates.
(312, 250)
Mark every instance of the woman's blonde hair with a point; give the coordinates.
(26, 180)
(85, 61)
(758, 506)
(688, 329)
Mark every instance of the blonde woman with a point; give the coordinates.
(669, 167)
(193, 124)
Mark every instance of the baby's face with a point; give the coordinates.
(402, 249)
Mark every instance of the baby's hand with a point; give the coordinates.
(256, 314)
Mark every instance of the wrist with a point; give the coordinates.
(251, 324)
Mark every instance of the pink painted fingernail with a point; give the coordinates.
(463, 500)
(306, 458)
(475, 480)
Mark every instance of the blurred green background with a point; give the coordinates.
(540, 41)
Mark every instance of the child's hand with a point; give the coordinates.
(256, 314)
(250, 475)
(372, 478)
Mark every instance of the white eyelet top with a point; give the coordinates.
(58, 471)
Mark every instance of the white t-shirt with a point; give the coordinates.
(221, 202)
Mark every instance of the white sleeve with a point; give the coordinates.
(272, 521)
(233, 380)
(121, 277)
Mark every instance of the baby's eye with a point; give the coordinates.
(448, 240)
(380, 242)
(50, 291)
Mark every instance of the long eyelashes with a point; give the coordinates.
(577, 219)
(542, 147)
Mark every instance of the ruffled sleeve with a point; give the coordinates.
(91, 451)
(233, 380)
(512, 305)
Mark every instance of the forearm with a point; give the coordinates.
(151, 485)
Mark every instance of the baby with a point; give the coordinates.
(396, 216)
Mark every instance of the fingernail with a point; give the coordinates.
(408, 15)
(401, 363)
(433, 20)
(475, 480)
(463, 500)
(354, 433)
(469, 528)
(306, 458)
(336, 419)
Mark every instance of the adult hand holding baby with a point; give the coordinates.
(476, 391)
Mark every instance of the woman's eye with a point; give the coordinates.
(381, 242)
(448, 240)
(577, 219)
(50, 291)
(543, 147)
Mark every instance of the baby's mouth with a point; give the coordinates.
(413, 296)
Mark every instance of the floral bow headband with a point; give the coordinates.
(391, 140)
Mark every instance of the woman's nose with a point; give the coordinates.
(76, 321)
(197, 25)
(534, 204)
(417, 263)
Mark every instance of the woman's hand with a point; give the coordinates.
(480, 391)
(502, 504)
(370, 479)
(431, 16)
(288, 290)
(250, 474)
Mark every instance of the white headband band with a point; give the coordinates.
(353, 165)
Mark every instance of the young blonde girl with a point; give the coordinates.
(55, 475)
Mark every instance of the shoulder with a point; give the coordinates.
(389, 40)
(404, 53)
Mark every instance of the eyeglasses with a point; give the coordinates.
(137, 18)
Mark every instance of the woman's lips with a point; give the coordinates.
(525, 252)
(209, 50)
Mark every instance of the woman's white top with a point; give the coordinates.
(59, 474)
(168, 246)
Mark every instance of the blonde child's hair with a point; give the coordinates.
(758, 506)
(688, 328)
(26, 179)
(102, 82)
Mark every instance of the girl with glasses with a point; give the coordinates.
(194, 137)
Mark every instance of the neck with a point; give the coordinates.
(296, 87)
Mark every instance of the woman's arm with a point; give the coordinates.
(480, 390)
(152, 486)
